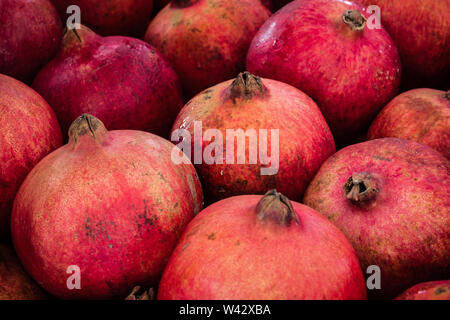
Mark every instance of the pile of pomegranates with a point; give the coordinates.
(225, 150)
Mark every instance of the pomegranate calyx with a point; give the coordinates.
(360, 187)
(137, 294)
(86, 124)
(277, 207)
(354, 19)
(447, 95)
(246, 86)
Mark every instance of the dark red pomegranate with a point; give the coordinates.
(111, 17)
(269, 135)
(422, 115)
(28, 132)
(262, 248)
(421, 31)
(325, 49)
(15, 283)
(31, 34)
(109, 203)
(390, 198)
(123, 81)
(206, 40)
(433, 290)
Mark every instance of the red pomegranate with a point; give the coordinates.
(433, 290)
(269, 135)
(111, 205)
(31, 34)
(15, 283)
(390, 198)
(111, 17)
(262, 248)
(325, 49)
(123, 81)
(422, 115)
(206, 40)
(28, 132)
(421, 31)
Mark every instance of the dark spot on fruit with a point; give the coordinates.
(212, 236)
(439, 291)
(382, 158)
(238, 243)
(184, 246)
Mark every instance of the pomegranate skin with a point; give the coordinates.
(113, 205)
(399, 218)
(206, 40)
(305, 140)
(31, 34)
(29, 131)
(421, 32)
(15, 283)
(433, 290)
(421, 115)
(111, 17)
(351, 74)
(229, 252)
(123, 81)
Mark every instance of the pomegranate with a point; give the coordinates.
(29, 131)
(422, 115)
(31, 34)
(420, 29)
(111, 205)
(432, 290)
(124, 17)
(123, 81)
(390, 198)
(262, 248)
(287, 141)
(15, 283)
(325, 49)
(206, 40)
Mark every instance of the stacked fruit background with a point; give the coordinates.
(225, 149)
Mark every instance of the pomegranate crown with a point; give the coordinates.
(360, 187)
(86, 125)
(246, 86)
(275, 206)
(354, 19)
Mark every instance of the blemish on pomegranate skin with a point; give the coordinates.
(439, 291)
(212, 236)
